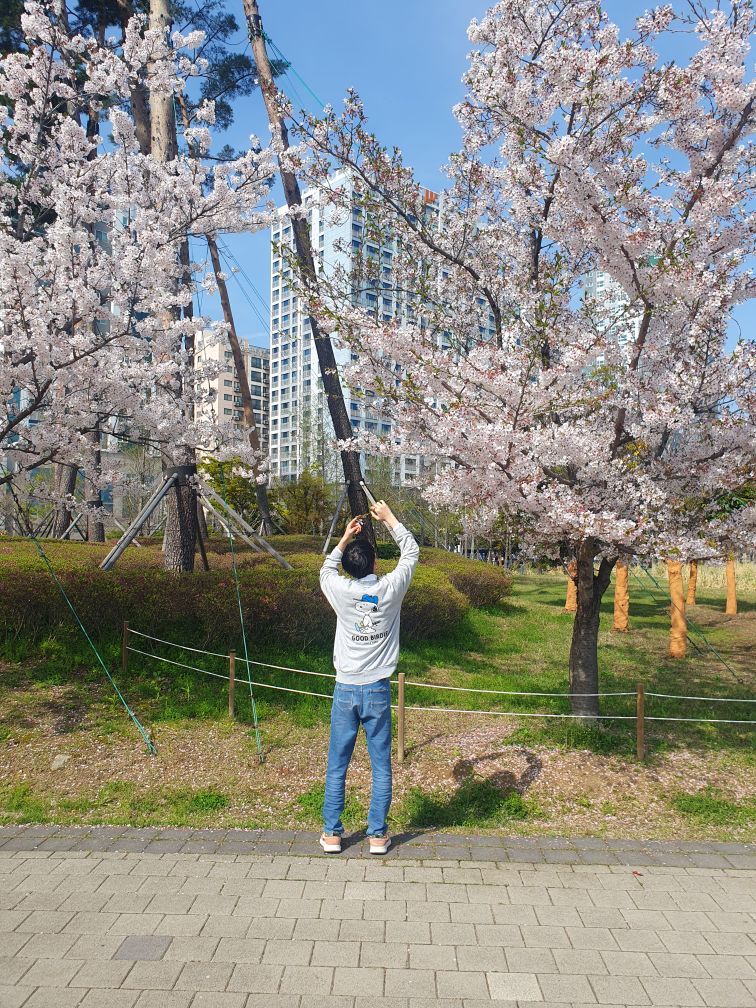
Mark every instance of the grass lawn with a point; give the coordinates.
(468, 771)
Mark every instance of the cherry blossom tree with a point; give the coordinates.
(91, 282)
(595, 424)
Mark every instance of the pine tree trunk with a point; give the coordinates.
(65, 484)
(584, 678)
(329, 375)
(261, 490)
(678, 631)
(570, 603)
(692, 582)
(731, 607)
(621, 597)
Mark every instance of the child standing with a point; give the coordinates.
(365, 655)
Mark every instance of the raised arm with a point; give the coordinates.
(329, 572)
(409, 551)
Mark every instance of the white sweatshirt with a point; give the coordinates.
(366, 647)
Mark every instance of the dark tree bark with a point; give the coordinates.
(180, 539)
(181, 511)
(253, 433)
(584, 677)
(140, 103)
(95, 526)
(65, 484)
(329, 375)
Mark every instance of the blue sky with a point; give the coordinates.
(406, 61)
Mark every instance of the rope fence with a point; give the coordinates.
(640, 693)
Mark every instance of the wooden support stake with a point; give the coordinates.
(400, 721)
(640, 705)
(231, 682)
(124, 649)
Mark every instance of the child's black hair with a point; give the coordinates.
(358, 559)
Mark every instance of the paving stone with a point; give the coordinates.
(142, 946)
(306, 980)
(14, 997)
(109, 999)
(153, 975)
(204, 976)
(724, 993)
(430, 957)
(275, 1001)
(669, 991)
(364, 981)
(619, 990)
(51, 972)
(102, 974)
(11, 970)
(218, 1000)
(164, 999)
(386, 954)
(191, 949)
(94, 947)
(628, 964)
(254, 978)
(600, 939)
(580, 961)
(735, 943)
(374, 931)
(568, 988)
(410, 983)
(53, 997)
(537, 960)
(453, 984)
(514, 987)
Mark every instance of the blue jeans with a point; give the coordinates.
(369, 706)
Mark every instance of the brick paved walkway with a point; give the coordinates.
(232, 919)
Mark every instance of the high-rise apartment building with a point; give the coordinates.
(226, 404)
(300, 428)
(616, 319)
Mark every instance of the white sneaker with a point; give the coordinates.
(379, 845)
(330, 844)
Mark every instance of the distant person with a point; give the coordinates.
(365, 655)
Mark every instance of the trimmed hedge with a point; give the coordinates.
(483, 584)
(280, 606)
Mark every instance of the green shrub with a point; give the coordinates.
(280, 606)
(481, 583)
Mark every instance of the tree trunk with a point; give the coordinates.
(731, 607)
(261, 490)
(329, 375)
(584, 648)
(65, 484)
(678, 631)
(621, 597)
(95, 525)
(180, 539)
(570, 604)
(181, 510)
(140, 104)
(692, 582)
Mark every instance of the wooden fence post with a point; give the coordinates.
(231, 682)
(640, 705)
(400, 721)
(124, 649)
